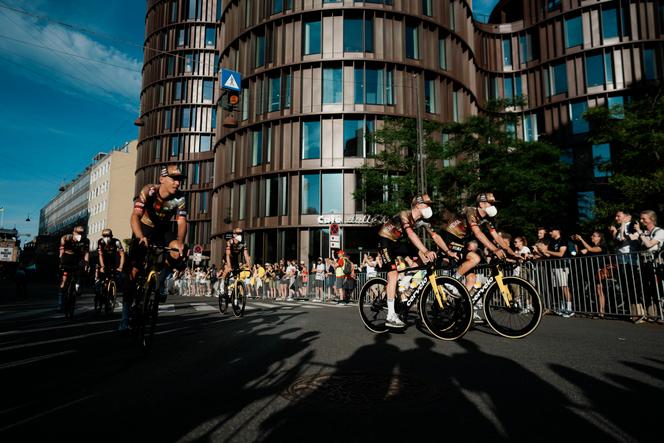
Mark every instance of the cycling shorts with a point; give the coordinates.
(390, 250)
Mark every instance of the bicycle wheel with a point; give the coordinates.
(222, 300)
(239, 299)
(451, 320)
(373, 305)
(110, 299)
(150, 310)
(70, 300)
(521, 316)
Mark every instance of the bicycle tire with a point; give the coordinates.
(455, 317)
(149, 315)
(515, 321)
(239, 299)
(110, 299)
(372, 305)
(222, 300)
(70, 300)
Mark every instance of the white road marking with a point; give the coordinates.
(18, 423)
(13, 364)
(167, 308)
(202, 307)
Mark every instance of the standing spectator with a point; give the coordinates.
(291, 275)
(557, 249)
(540, 243)
(304, 279)
(349, 279)
(213, 279)
(318, 269)
(521, 247)
(596, 247)
(330, 277)
(341, 276)
(652, 239)
(627, 245)
(370, 266)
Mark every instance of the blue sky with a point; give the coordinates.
(58, 108)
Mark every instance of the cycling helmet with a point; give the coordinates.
(107, 233)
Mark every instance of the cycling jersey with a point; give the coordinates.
(395, 227)
(237, 254)
(157, 212)
(78, 249)
(109, 250)
(457, 228)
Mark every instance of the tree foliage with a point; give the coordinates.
(636, 132)
(528, 177)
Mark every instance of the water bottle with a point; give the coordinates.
(417, 278)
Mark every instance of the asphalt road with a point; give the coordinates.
(301, 371)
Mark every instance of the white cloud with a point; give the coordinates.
(74, 75)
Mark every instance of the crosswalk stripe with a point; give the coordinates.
(202, 307)
(167, 308)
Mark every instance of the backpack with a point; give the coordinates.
(348, 267)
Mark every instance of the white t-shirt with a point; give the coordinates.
(320, 271)
(658, 235)
(525, 250)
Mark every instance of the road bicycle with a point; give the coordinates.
(145, 309)
(232, 291)
(70, 291)
(106, 298)
(512, 306)
(444, 305)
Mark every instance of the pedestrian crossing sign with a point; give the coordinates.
(230, 80)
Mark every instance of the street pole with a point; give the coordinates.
(2, 217)
(421, 165)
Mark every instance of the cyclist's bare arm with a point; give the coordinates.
(247, 258)
(182, 232)
(135, 223)
(559, 254)
(122, 259)
(479, 235)
(504, 244)
(438, 240)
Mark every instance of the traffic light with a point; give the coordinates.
(229, 102)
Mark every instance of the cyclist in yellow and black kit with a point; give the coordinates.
(398, 239)
(74, 257)
(109, 249)
(469, 224)
(154, 208)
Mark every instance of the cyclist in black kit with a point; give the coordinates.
(108, 248)
(154, 208)
(74, 257)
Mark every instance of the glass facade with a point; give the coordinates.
(312, 36)
(573, 32)
(311, 139)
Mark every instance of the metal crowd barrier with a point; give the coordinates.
(614, 285)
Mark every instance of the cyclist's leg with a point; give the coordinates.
(472, 260)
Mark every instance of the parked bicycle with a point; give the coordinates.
(512, 306)
(232, 291)
(144, 313)
(444, 305)
(106, 298)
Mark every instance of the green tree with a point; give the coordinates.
(528, 177)
(636, 134)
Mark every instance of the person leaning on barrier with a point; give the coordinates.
(652, 239)
(599, 270)
(557, 249)
(627, 246)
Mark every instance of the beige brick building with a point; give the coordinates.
(111, 194)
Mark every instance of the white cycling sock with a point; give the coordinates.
(390, 308)
(569, 306)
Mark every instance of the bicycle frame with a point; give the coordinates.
(496, 277)
(438, 291)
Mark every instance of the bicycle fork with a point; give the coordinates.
(504, 290)
(438, 292)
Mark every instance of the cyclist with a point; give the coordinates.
(74, 251)
(150, 222)
(237, 256)
(460, 229)
(108, 248)
(393, 244)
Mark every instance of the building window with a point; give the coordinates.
(332, 192)
(175, 146)
(275, 92)
(260, 51)
(616, 106)
(507, 53)
(430, 95)
(601, 159)
(284, 196)
(608, 68)
(196, 173)
(558, 73)
(242, 200)
(181, 38)
(518, 87)
(412, 41)
(310, 189)
(525, 48)
(594, 70)
(311, 36)
(208, 88)
(579, 124)
(452, 17)
(213, 117)
(272, 196)
(204, 202)
(256, 147)
(170, 65)
(427, 9)
(210, 36)
(311, 139)
(442, 53)
(356, 143)
(455, 106)
(552, 5)
(649, 66)
(157, 149)
(586, 205)
(174, 11)
(508, 87)
(286, 96)
(206, 141)
(609, 22)
(358, 33)
(370, 85)
(332, 85)
(530, 127)
(167, 119)
(277, 6)
(573, 32)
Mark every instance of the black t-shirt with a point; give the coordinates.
(555, 245)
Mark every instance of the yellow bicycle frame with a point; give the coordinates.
(438, 292)
(504, 291)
